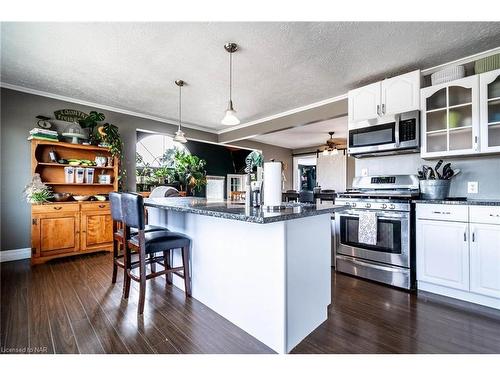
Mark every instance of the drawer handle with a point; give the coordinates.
(491, 215)
(441, 213)
(102, 206)
(57, 208)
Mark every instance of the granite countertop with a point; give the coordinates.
(466, 202)
(229, 210)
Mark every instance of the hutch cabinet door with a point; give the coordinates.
(97, 230)
(443, 253)
(401, 93)
(364, 103)
(490, 111)
(450, 118)
(485, 259)
(55, 233)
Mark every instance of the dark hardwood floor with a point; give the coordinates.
(70, 306)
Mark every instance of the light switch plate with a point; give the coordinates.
(364, 172)
(472, 187)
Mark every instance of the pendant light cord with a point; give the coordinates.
(230, 75)
(180, 106)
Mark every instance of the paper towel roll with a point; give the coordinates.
(272, 184)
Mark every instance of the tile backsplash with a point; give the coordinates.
(483, 169)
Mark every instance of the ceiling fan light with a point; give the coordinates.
(334, 152)
(180, 137)
(325, 152)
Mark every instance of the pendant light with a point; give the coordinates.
(179, 134)
(230, 116)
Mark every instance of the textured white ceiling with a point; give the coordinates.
(280, 66)
(308, 135)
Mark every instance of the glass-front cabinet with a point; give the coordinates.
(450, 118)
(490, 110)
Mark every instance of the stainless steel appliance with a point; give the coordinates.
(386, 135)
(392, 259)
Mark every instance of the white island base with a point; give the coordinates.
(272, 280)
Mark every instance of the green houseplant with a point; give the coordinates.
(190, 170)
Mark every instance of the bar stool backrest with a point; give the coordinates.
(115, 199)
(133, 210)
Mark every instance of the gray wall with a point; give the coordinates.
(273, 152)
(484, 169)
(18, 111)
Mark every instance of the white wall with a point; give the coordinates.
(335, 172)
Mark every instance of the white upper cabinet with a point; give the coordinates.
(490, 110)
(364, 103)
(401, 94)
(391, 96)
(450, 118)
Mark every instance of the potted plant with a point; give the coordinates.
(37, 192)
(191, 171)
(90, 123)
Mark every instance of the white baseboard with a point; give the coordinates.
(460, 294)
(15, 254)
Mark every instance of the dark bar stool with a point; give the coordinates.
(150, 243)
(118, 235)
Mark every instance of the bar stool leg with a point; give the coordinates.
(127, 259)
(115, 256)
(166, 264)
(187, 277)
(142, 280)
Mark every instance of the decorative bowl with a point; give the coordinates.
(81, 198)
(61, 197)
(100, 198)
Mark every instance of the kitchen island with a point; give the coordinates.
(267, 272)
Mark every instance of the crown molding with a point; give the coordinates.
(286, 113)
(103, 107)
(463, 60)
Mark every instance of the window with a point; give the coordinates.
(156, 150)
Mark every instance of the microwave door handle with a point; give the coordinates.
(396, 131)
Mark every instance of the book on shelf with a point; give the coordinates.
(43, 131)
(43, 137)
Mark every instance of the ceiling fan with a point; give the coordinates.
(332, 146)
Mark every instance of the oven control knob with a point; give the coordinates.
(392, 206)
(368, 205)
(353, 204)
(384, 206)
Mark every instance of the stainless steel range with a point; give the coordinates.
(390, 258)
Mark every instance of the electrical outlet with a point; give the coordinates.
(364, 172)
(472, 187)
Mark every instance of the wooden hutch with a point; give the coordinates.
(60, 229)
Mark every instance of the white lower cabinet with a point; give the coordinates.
(443, 253)
(485, 259)
(458, 252)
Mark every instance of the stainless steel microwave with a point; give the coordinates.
(387, 135)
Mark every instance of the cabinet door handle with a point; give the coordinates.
(34, 221)
(378, 109)
(441, 213)
(57, 208)
(473, 236)
(465, 236)
(383, 109)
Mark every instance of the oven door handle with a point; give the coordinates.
(403, 215)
